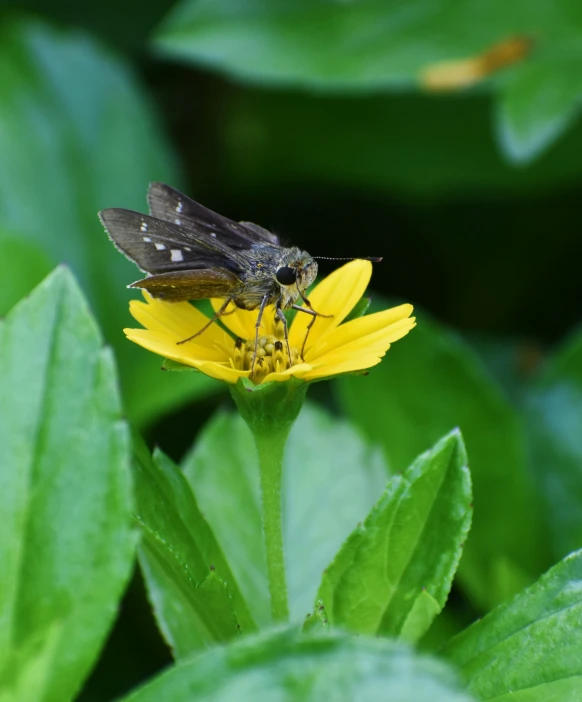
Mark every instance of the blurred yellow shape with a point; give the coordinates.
(462, 73)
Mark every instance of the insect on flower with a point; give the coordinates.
(192, 253)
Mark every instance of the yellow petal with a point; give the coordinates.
(219, 370)
(460, 73)
(375, 342)
(336, 295)
(222, 372)
(346, 366)
(298, 371)
(177, 320)
(188, 354)
(358, 329)
(242, 322)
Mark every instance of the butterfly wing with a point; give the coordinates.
(158, 246)
(169, 204)
(178, 286)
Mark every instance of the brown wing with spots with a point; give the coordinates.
(157, 246)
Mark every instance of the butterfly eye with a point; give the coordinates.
(286, 275)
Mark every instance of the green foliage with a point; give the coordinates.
(196, 598)
(541, 99)
(290, 666)
(530, 648)
(391, 571)
(78, 135)
(373, 46)
(430, 383)
(328, 472)
(554, 412)
(22, 266)
(66, 543)
(405, 554)
(325, 132)
(206, 580)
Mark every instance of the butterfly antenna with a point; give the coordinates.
(374, 259)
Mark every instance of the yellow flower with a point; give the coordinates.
(331, 348)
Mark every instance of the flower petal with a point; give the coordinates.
(347, 366)
(150, 340)
(374, 343)
(336, 295)
(221, 372)
(189, 354)
(358, 329)
(298, 371)
(178, 321)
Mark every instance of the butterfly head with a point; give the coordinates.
(296, 270)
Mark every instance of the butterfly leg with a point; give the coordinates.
(314, 314)
(306, 301)
(264, 302)
(215, 316)
(281, 317)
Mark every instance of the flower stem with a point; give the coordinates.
(271, 448)
(270, 411)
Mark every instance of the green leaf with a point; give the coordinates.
(195, 596)
(284, 665)
(531, 648)
(364, 46)
(323, 500)
(331, 480)
(170, 365)
(509, 361)
(405, 143)
(66, 544)
(554, 411)
(393, 574)
(222, 471)
(372, 46)
(429, 383)
(77, 135)
(22, 266)
(31, 668)
(541, 101)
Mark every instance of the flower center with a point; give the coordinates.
(272, 356)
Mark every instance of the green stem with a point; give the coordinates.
(271, 448)
(270, 411)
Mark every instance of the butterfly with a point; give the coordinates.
(192, 253)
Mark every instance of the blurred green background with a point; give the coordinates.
(310, 118)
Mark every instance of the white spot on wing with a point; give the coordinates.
(213, 234)
(144, 226)
(176, 255)
(187, 248)
(179, 207)
(160, 247)
(178, 221)
(147, 239)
